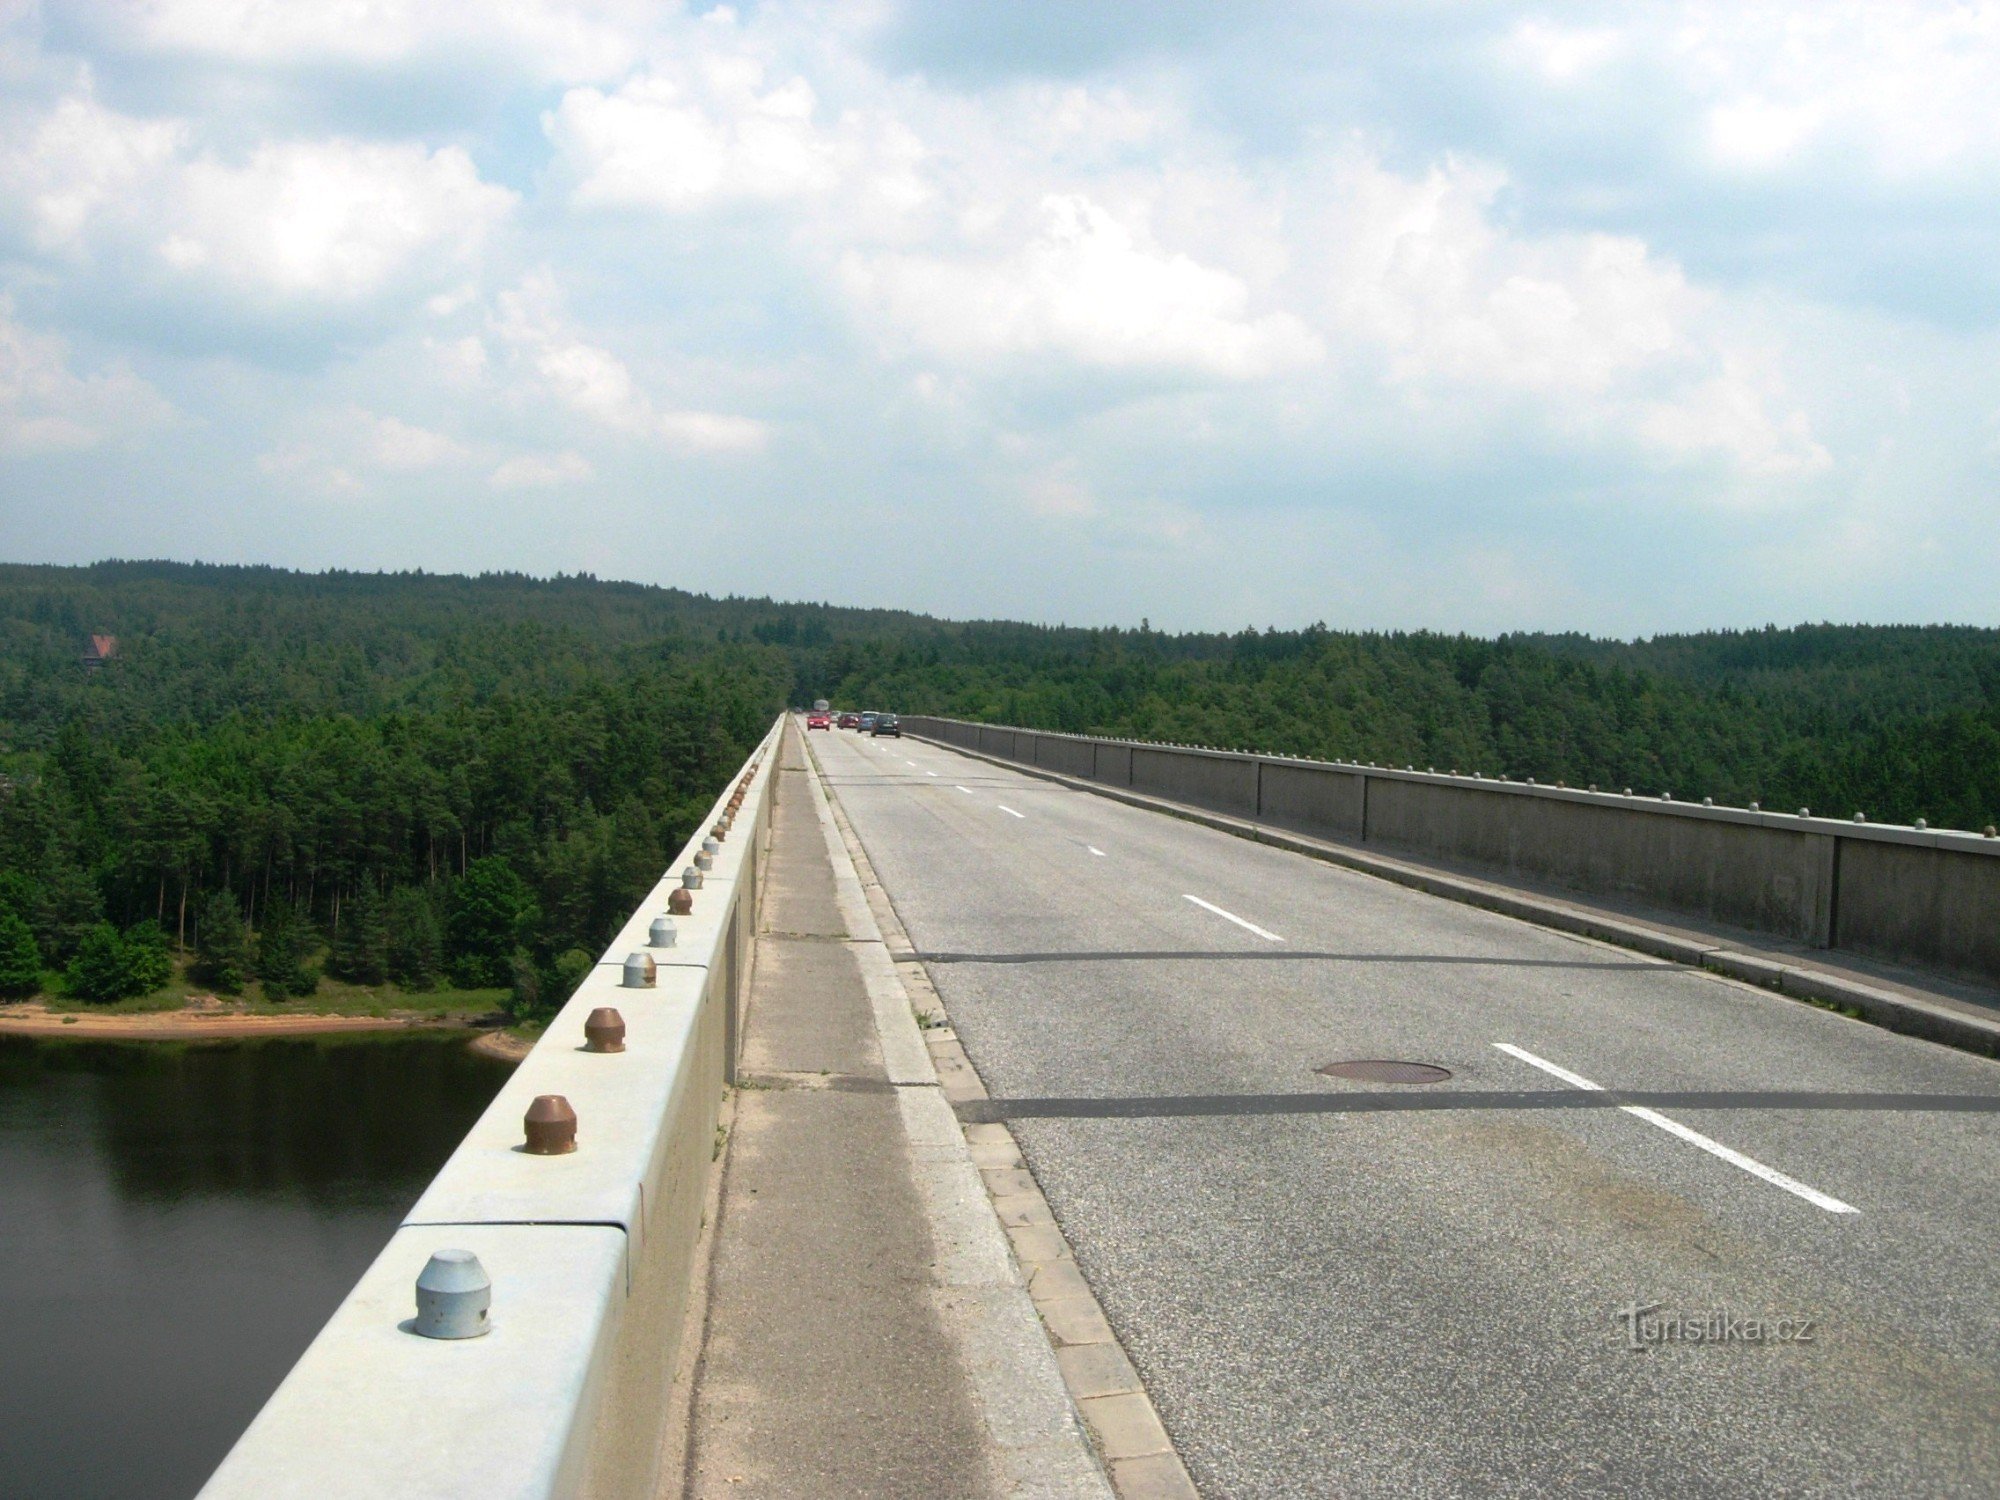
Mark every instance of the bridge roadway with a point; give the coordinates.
(1337, 1288)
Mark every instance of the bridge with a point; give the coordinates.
(1023, 1114)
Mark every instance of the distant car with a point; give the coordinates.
(867, 721)
(850, 721)
(818, 719)
(886, 724)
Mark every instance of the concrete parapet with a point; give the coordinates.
(591, 1252)
(1925, 897)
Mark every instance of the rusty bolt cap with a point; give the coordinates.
(681, 902)
(720, 831)
(551, 1126)
(640, 972)
(604, 1031)
(703, 860)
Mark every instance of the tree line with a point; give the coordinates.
(428, 779)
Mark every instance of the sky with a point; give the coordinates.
(1623, 318)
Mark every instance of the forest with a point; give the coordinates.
(430, 779)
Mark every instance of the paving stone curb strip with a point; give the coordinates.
(1118, 1414)
(1908, 1014)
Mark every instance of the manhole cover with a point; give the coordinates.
(1377, 1071)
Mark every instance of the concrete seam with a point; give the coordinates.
(1101, 1382)
(1883, 1008)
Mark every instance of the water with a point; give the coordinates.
(176, 1222)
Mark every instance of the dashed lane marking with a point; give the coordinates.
(1693, 1137)
(1230, 916)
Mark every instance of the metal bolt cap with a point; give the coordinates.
(1920, 825)
(711, 846)
(550, 1125)
(719, 832)
(604, 1031)
(454, 1294)
(1990, 832)
(691, 878)
(703, 860)
(1861, 817)
(1756, 807)
(661, 934)
(681, 902)
(1805, 812)
(1708, 802)
(640, 971)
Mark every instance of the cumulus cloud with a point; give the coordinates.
(345, 452)
(593, 382)
(557, 40)
(1086, 286)
(654, 144)
(1613, 339)
(46, 407)
(333, 221)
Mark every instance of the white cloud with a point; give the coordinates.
(344, 452)
(46, 407)
(557, 40)
(542, 471)
(1611, 340)
(331, 220)
(656, 144)
(80, 160)
(595, 383)
(1087, 286)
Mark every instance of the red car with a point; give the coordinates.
(850, 721)
(817, 720)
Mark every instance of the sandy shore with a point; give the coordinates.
(31, 1019)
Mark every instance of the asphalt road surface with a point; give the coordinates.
(1767, 1264)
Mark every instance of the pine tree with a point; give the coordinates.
(415, 947)
(98, 971)
(281, 954)
(222, 946)
(361, 943)
(20, 958)
(147, 966)
(490, 907)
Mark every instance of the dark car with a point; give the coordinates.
(850, 721)
(868, 718)
(886, 724)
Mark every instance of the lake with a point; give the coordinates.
(178, 1220)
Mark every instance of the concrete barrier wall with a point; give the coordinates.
(1202, 778)
(590, 1253)
(1312, 798)
(1925, 897)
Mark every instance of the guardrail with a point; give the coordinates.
(1920, 896)
(589, 1252)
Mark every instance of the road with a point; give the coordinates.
(1351, 1288)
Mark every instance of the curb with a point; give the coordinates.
(1904, 1014)
(1124, 1428)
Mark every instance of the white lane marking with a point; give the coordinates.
(911, 763)
(1009, 811)
(1232, 917)
(965, 789)
(1095, 850)
(930, 773)
(1693, 1137)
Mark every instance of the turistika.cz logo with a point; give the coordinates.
(1647, 1327)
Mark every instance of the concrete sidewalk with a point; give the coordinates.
(867, 1332)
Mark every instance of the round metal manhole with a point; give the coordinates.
(1376, 1070)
